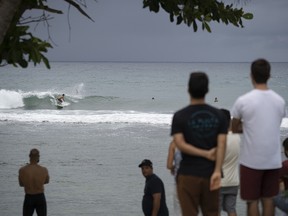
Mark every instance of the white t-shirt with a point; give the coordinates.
(231, 163)
(261, 112)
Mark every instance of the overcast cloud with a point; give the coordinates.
(124, 31)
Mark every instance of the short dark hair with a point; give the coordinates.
(34, 153)
(285, 145)
(198, 85)
(146, 162)
(260, 71)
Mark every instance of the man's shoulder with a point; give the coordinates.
(154, 178)
(24, 167)
(42, 167)
(195, 108)
(279, 97)
(183, 109)
(246, 95)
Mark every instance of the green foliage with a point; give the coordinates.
(21, 47)
(204, 11)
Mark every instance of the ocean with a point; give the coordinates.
(115, 115)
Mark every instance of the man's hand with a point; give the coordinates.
(215, 181)
(211, 154)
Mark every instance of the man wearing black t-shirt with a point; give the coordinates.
(199, 131)
(154, 200)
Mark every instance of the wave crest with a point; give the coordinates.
(10, 99)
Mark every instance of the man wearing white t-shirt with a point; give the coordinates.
(259, 113)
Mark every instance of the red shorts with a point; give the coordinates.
(256, 184)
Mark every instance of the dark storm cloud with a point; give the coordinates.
(124, 31)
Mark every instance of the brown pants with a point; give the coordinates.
(194, 192)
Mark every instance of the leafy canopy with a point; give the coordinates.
(20, 47)
(203, 11)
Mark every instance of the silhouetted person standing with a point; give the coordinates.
(33, 177)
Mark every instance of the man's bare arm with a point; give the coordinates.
(170, 157)
(47, 177)
(215, 181)
(19, 179)
(156, 203)
(236, 125)
(20, 182)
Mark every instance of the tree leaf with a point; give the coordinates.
(248, 16)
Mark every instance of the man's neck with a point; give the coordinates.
(197, 101)
(33, 162)
(261, 86)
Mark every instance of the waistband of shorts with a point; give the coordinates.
(32, 195)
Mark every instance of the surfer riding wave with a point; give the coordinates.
(60, 98)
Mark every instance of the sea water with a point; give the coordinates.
(114, 116)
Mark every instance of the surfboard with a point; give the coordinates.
(59, 106)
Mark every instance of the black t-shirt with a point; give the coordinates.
(154, 185)
(200, 126)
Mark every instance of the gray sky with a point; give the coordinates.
(124, 31)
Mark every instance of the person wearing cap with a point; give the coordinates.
(33, 177)
(199, 131)
(154, 199)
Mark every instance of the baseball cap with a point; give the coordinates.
(145, 162)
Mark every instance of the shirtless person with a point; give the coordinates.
(61, 98)
(33, 177)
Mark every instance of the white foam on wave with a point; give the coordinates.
(284, 123)
(10, 99)
(89, 117)
(37, 94)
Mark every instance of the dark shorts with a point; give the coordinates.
(256, 184)
(194, 192)
(228, 197)
(34, 202)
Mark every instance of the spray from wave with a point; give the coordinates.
(10, 99)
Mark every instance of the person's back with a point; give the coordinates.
(199, 131)
(230, 180)
(262, 113)
(230, 164)
(259, 113)
(33, 177)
